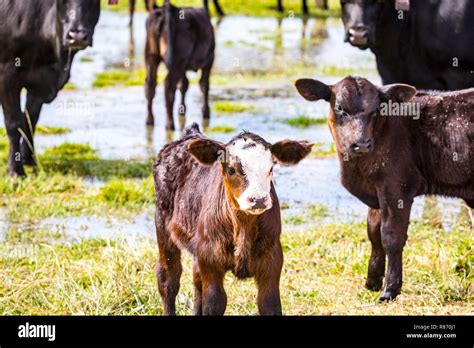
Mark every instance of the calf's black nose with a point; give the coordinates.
(78, 39)
(361, 147)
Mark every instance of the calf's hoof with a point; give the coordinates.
(374, 284)
(150, 121)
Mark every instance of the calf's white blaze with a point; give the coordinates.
(257, 163)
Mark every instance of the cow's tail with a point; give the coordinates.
(170, 32)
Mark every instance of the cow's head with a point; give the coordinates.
(247, 166)
(355, 108)
(360, 19)
(76, 20)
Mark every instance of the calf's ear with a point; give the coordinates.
(206, 151)
(313, 90)
(398, 91)
(290, 152)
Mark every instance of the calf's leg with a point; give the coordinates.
(131, 9)
(171, 82)
(152, 62)
(219, 9)
(204, 84)
(305, 7)
(377, 256)
(395, 220)
(183, 88)
(29, 121)
(197, 289)
(280, 6)
(13, 115)
(267, 278)
(168, 274)
(214, 298)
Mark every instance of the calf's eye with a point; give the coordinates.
(230, 170)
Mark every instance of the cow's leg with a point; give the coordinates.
(171, 82)
(267, 278)
(204, 84)
(152, 62)
(150, 5)
(131, 8)
(377, 256)
(305, 7)
(197, 289)
(280, 6)
(168, 273)
(13, 115)
(394, 226)
(214, 298)
(322, 4)
(183, 87)
(29, 121)
(219, 9)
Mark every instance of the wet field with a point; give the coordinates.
(77, 236)
(112, 119)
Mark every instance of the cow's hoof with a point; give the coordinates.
(17, 172)
(170, 127)
(150, 120)
(388, 296)
(374, 284)
(28, 161)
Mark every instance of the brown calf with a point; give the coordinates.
(394, 144)
(183, 38)
(218, 202)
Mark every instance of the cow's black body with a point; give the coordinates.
(430, 46)
(37, 47)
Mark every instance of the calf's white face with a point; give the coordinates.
(255, 162)
(247, 168)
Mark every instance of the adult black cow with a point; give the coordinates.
(38, 41)
(427, 44)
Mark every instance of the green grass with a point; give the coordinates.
(221, 129)
(323, 274)
(47, 130)
(303, 121)
(311, 213)
(245, 7)
(227, 107)
(70, 87)
(86, 59)
(82, 160)
(43, 130)
(120, 77)
(322, 150)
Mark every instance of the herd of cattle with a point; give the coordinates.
(218, 200)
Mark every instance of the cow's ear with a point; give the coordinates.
(290, 152)
(398, 92)
(206, 151)
(313, 90)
